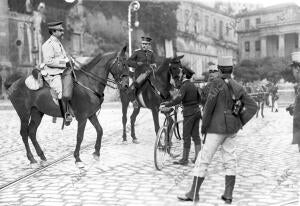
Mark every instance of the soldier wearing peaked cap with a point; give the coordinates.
(56, 62)
(296, 107)
(143, 61)
(219, 126)
(189, 97)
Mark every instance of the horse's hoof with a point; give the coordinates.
(34, 165)
(96, 157)
(43, 163)
(124, 142)
(135, 141)
(80, 165)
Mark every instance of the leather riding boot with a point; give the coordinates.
(185, 157)
(193, 194)
(229, 186)
(197, 150)
(67, 115)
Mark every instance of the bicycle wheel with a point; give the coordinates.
(161, 148)
(176, 145)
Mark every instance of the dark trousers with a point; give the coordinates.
(191, 129)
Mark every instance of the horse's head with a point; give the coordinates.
(169, 69)
(175, 66)
(119, 69)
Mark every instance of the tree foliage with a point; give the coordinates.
(156, 19)
(272, 69)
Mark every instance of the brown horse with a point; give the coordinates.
(86, 100)
(155, 90)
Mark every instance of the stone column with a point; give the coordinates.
(4, 34)
(263, 46)
(281, 47)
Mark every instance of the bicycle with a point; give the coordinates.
(168, 146)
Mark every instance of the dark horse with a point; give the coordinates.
(155, 90)
(86, 100)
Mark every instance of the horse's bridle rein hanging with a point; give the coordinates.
(97, 78)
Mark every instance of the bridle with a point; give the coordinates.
(102, 80)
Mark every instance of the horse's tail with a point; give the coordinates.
(12, 78)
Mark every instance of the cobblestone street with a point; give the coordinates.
(268, 173)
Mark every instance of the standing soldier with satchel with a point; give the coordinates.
(295, 109)
(140, 57)
(58, 69)
(227, 109)
(190, 99)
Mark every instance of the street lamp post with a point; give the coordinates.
(133, 6)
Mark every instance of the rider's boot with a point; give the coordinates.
(185, 157)
(68, 115)
(197, 150)
(64, 107)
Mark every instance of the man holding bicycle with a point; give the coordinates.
(189, 97)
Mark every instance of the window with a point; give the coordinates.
(215, 25)
(221, 29)
(206, 23)
(247, 46)
(257, 45)
(258, 21)
(227, 29)
(247, 23)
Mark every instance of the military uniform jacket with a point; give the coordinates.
(188, 96)
(139, 55)
(54, 55)
(296, 119)
(218, 102)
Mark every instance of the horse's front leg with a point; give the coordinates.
(133, 116)
(125, 104)
(94, 120)
(80, 133)
(155, 119)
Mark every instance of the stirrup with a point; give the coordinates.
(68, 118)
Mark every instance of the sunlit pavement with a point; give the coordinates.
(268, 174)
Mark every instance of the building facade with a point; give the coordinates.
(269, 32)
(204, 34)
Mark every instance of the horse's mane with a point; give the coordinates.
(97, 59)
(163, 65)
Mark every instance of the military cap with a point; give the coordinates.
(296, 57)
(212, 67)
(187, 70)
(225, 61)
(55, 25)
(146, 39)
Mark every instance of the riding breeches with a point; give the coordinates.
(191, 129)
(205, 156)
(55, 83)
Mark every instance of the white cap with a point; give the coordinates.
(213, 67)
(296, 57)
(225, 61)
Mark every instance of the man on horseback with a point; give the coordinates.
(56, 61)
(140, 57)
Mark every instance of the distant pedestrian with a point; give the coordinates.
(296, 113)
(220, 125)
